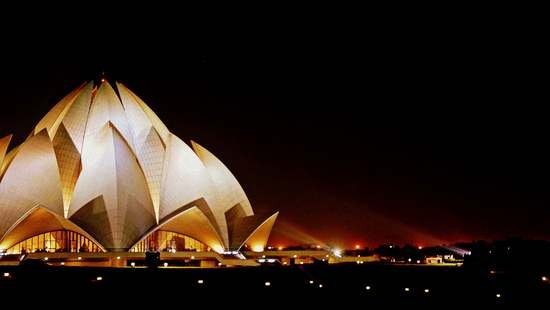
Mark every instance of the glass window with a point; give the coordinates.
(169, 241)
(55, 241)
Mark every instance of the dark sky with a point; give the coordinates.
(365, 134)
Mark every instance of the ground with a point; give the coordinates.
(345, 283)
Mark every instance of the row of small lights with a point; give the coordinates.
(133, 264)
(118, 258)
(268, 284)
(426, 290)
(79, 258)
(280, 248)
(311, 282)
(262, 260)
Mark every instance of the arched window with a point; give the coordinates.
(55, 241)
(167, 241)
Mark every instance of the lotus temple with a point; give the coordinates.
(101, 180)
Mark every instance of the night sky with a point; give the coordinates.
(417, 135)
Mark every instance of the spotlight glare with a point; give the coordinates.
(257, 248)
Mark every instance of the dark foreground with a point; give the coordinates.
(345, 284)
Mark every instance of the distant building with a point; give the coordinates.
(434, 260)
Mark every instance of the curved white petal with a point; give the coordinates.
(113, 173)
(32, 179)
(231, 192)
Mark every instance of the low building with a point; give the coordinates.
(434, 260)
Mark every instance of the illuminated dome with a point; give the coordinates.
(103, 167)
